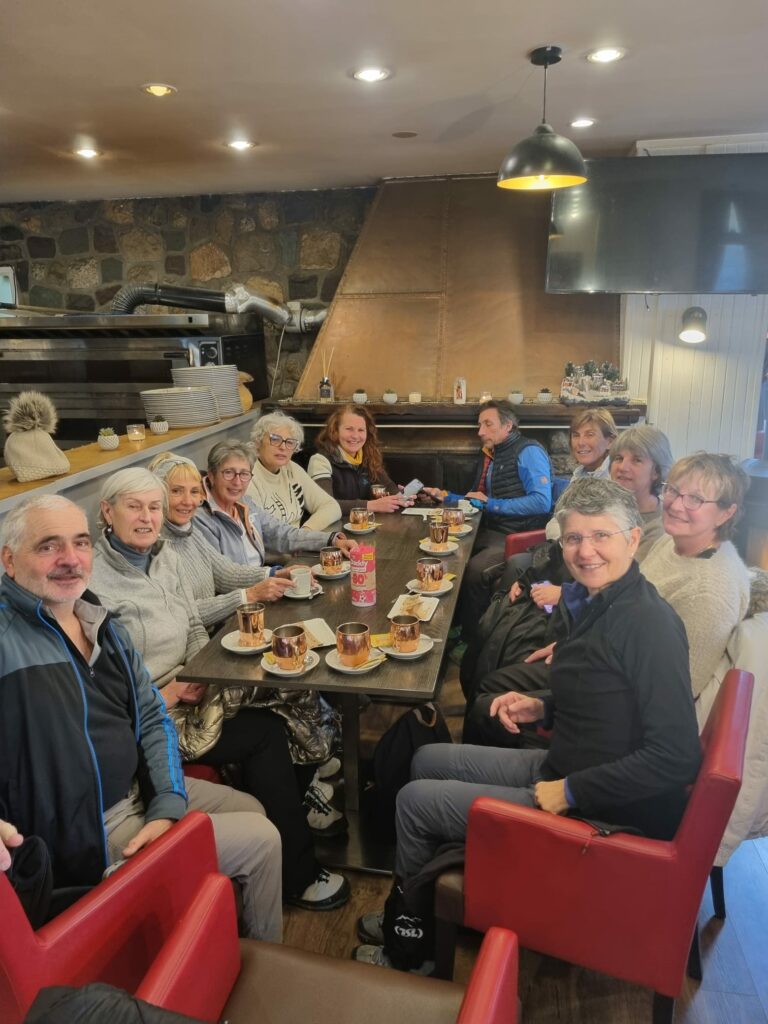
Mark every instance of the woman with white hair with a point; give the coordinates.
(279, 485)
(138, 576)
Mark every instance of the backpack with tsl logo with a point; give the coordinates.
(394, 752)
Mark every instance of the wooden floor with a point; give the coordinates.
(735, 952)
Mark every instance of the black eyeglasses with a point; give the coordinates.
(230, 474)
(691, 502)
(289, 443)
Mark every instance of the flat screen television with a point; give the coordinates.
(679, 224)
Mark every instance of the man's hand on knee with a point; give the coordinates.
(9, 838)
(151, 831)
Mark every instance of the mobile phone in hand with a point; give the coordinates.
(412, 489)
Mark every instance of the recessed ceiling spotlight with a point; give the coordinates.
(87, 153)
(404, 135)
(371, 74)
(606, 55)
(582, 122)
(241, 144)
(159, 89)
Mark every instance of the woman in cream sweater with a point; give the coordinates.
(694, 566)
(279, 485)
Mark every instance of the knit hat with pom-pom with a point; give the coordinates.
(29, 451)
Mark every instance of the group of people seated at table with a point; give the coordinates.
(96, 626)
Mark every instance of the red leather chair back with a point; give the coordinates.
(113, 933)
(516, 543)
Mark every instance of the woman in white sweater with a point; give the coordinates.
(694, 566)
(279, 485)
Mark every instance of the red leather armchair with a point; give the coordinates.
(516, 543)
(620, 904)
(164, 928)
(112, 934)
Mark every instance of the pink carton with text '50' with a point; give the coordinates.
(363, 576)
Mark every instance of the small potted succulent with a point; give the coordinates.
(515, 395)
(359, 396)
(544, 396)
(108, 439)
(390, 396)
(158, 425)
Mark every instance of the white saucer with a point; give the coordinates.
(318, 571)
(333, 661)
(310, 661)
(462, 531)
(471, 511)
(446, 586)
(355, 530)
(426, 643)
(231, 642)
(316, 591)
(426, 545)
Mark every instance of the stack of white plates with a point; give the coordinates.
(222, 380)
(182, 407)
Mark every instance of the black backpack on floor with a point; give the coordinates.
(394, 752)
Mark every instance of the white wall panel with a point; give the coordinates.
(702, 396)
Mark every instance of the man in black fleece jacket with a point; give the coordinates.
(624, 742)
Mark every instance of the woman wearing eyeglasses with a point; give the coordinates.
(279, 485)
(236, 526)
(695, 567)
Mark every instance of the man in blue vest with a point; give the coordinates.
(512, 487)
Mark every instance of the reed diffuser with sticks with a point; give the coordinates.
(325, 387)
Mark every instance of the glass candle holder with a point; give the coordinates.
(136, 431)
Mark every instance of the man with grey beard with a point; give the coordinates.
(89, 760)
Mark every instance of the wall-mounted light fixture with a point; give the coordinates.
(694, 329)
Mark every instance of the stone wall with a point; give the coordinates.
(287, 245)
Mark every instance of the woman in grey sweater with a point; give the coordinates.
(138, 576)
(218, 584)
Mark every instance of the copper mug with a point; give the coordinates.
(353, 644)
(404, 633)
(379, 491)
(361, 519)
(438, 535)
(250, 622)
(454, 518)
(289, 646)
(430, 573)
(331, 560)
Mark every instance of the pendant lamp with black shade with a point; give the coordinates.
(544, 160)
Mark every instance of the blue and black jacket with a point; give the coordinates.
(56, 713)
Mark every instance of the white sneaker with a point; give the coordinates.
(327, 892)
(322, 818)
(330, 768)
(375, 955)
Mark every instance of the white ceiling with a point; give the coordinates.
(277, 71)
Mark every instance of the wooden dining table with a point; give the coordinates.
(396, 540)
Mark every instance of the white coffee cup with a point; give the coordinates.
(302, 580)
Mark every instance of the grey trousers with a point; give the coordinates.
(247, 846)
(446, 778)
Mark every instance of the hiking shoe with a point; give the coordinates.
(370, 928)
(375, 955)
(327, 892)
(322, 818)
(322, 787)
(329, 769)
